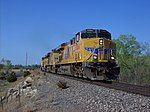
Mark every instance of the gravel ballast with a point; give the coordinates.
(82, 97)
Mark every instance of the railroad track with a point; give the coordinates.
(129, 88)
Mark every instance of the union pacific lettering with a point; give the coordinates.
(98, 50)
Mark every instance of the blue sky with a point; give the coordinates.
(37, 26)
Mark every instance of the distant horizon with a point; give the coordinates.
(37, 26)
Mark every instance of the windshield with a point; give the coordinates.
(91, 33)
(88, 35)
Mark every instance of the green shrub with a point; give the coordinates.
(2, 76)
(26, 73)
(12, 77)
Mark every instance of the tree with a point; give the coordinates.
(1, 66)
(132, 57)
(7, 63)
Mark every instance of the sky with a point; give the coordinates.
(37, 26)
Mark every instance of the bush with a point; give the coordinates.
(26, 73)
(12, 77)
(1, 66)
(2, 76)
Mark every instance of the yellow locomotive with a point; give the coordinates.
(90, 54)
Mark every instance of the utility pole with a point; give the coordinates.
(26, 60)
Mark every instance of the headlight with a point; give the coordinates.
(101, 42)
(94, 57)
(112, 57)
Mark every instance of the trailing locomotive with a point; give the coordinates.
(90, 54)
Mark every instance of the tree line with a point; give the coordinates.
(7, 64)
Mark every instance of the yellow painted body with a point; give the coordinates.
(77, 53)
(45, 62)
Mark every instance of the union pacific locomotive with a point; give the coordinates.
(90, 54)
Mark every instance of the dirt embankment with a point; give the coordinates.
(23, 88)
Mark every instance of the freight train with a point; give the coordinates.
(90, 54)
